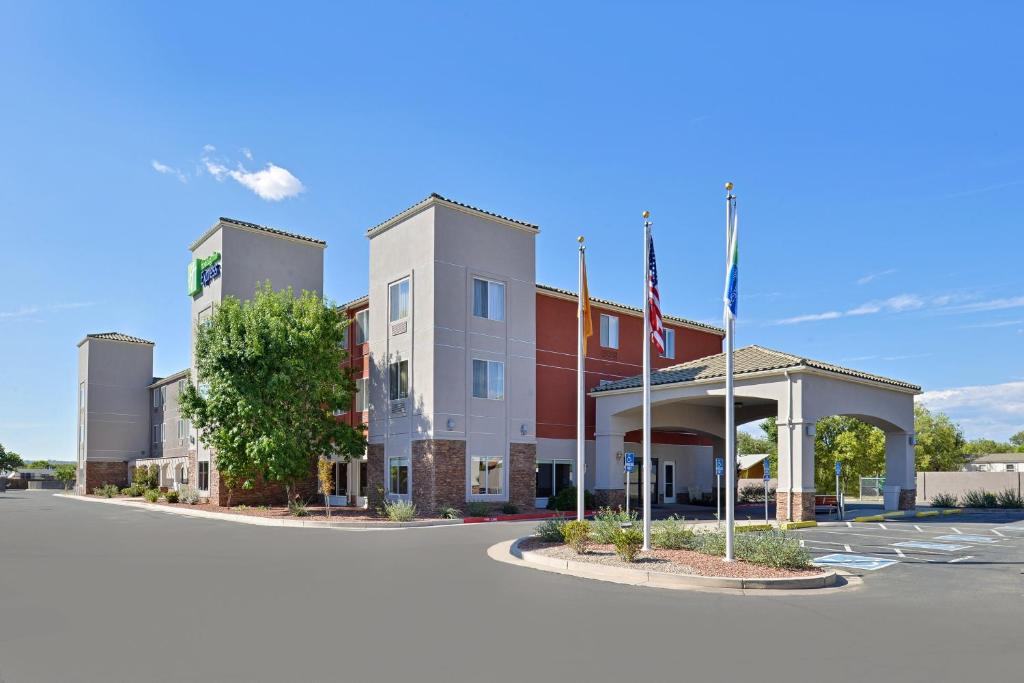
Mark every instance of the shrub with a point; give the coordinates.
(772, 549)
(609, 520)
(671, 534)
(1009, 498)
(576, 535)
(566, 499)
(550, 530)
(297, 508)
(980, 499)
(478, 508)
(449, 512)
(144, 477)
(399, 510)
(510, 509)
(134, 491)
(152, 495)
(107, 490)
(628, 541)
(709, 542)
(171, 496)
(944, 500)
(126, 491)
(188, 495)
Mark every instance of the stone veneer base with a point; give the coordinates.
(803, 506)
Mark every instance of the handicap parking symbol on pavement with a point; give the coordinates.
(970, 538)
(864, 562)
(924, 545)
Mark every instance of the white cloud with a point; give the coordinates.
(993, 411)
(35, 309)
(998, 323)
(990, 305)
(272, 183)
(168, 170)
(896, 304)
(874, 276)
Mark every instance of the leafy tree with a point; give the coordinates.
(860, 447)
(976, 447)
(325, 474)
(39, 464)
(1018, 440)
(271, 375)
(66, 473)
(940, 443)
(9, 460)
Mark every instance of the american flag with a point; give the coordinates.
(654, 307)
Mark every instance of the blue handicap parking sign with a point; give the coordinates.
(968, 538)
(719, 466)
(839, 468)
(631, 458)
(767, 470)
(863, 562)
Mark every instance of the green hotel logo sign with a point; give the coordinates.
(203, 271)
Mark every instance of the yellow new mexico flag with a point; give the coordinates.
(584, 307)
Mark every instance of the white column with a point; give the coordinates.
(900, 466)
(796, 469)
(608, 462)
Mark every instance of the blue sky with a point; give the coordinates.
(877, 153)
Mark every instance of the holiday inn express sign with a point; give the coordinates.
(202, 271)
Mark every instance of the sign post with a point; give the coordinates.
(719, 468)
(630, 465)
(839, 493)
(767, 476)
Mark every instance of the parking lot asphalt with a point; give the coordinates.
(93, 592)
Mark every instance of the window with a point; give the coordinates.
(361, 394)
(486, 477)
(488, 299)
(182, 428)
(362, 478)
(341, 478)
(81, 396)
(204, 318)
(184, 474)
(362, 326)
(1010, 467)
(163, 395)
(343, 344)
(156, 398)
(670, 344)
(204, 476)
(399, 300)
(398, 476)
(609, 331)
(488, 379)
(158, 431)
(398, 380)
(553, 476)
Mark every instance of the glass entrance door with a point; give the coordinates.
(553, 476)
(670, 482)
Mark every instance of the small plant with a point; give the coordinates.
(126, 491)
(325, 475)
(607, 521)
(477, 508)
(671, 534)
(566, 499)
(171, 496)
(979, 498)
(448, 512)
(1009, 498)
(772, 549)
(944, 500)
(576, 535)
(188, 495)
(510, 509)
(627, 542)
(399, 510)
(107, 490)
(550, 530)
(152, 495)
(297, 508)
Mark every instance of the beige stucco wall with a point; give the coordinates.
(930, 484)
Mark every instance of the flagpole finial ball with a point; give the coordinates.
(580, 239)
(728, 187)
(646, 214)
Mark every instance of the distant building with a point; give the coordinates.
(997, 462)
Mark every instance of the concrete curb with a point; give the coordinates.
(639, 577)
(263, 521)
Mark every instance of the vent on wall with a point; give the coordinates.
(398, 406)
(400, 327)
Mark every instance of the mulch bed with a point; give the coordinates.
(316, 512)
(668, 561)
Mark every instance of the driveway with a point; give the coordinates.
(106, 593)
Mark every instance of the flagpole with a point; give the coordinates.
(580, 388)
(730, 405)
(647, 382)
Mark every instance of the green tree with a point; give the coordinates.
(860, 448)
(976, 447)
(9, 460)
(39, 464)
(1018, 440)
(940, 443)
(271, 375)
(66, 474)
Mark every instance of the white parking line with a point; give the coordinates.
(846, 546)
(850, 524)
(956, 530)
(883, 526)
(960, 559)
(900, 552)
(918, 527)
(998, 533)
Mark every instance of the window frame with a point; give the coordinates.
(200, 475)
(406, 281)
(361, 395)
(362, 326)
(488, 284)
(399, 461)
(391, 369)
(485, 491)
(158, 433)
(670, 349)
(613, 326)
(487, 377)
